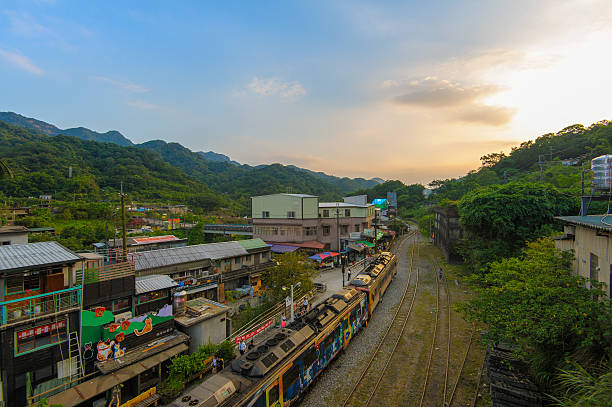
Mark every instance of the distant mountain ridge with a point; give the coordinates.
(83, 133)
(217, 170)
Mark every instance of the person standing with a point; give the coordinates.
(241, 347)
(440, 273)
(215, 362)
(283, 321)
(348, 276)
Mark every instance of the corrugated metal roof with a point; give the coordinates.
(13, 229)
(250, 244)
(22, 256)
(154, 282)
(341, 205)
(591, 221)
(178, 255)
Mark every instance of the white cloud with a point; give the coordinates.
(274, 86)
(141, 104)
(24, 24)
(20, 61)
(125, 85)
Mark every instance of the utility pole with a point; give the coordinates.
(541, 164)
(123, 225)
(550, 153)
(338, 225)
(375, 231)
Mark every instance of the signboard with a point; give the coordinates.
(288, 301)
(41, 330)
(255, 332)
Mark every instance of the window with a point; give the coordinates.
(273, 395)
(325, 230)
(265, 214)
(344, 229)
(247, 258)
(347, 212)
(41, 336)
(237, 260)
(290, 377)
(291, 214)
(357, 228)
(6, 243)
(264, 255)
(152, 296)
(310, 231)
(22, 283)
(594, 267)
(326, 213)
(310, 356)
(122, 305)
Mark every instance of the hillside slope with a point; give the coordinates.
(83, 133)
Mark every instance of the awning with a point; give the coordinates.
(311, 244)
(279, 248)
(92, 388)
(324, 255)
(154, 282)
(363, 242)
(358, 247)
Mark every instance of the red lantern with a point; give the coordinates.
(119, 337)
(113, 327)
(100, 311)
(125, 325)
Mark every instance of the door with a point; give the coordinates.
(274, 395)
(54, 282)
(347, 331)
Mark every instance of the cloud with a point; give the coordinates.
(20, 61)
(129, 86)
(431, 92)
(23, 24)
(141, 104)
(488, 115)
(274, 86)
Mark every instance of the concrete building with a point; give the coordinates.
(13, 235)
(39, 310)
(302, 220)
(590, 238)
(205, 321)
(447, 232)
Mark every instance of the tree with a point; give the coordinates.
(5, 170)
(489, 160)
(290, 268)
(534, 302)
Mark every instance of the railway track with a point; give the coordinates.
(399, 319)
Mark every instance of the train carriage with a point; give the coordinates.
(286, 361)
(375, 279)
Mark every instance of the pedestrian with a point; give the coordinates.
(251, 344)
(214, 363)
(348, 278)
(242, 347)
(440, 273)
(305, 304)
(283, 321)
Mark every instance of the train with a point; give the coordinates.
(285, 361)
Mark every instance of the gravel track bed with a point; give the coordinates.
(335, 382)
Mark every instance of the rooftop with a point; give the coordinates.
(23, 256)
(250, 244)
(341, 205)
(153, 239)
(186, 254)
(199, 309)
(13, 229)
(153, 282)
(599, 222)
(294, 195)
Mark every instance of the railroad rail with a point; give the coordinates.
(403, 320)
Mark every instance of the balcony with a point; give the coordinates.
(106, 272)
(38, 306)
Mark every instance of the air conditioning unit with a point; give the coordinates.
(124, 316)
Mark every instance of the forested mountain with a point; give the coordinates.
(215, 169)
(50, 130)
(40, 165)
(243, 181)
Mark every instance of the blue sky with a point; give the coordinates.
(406, 90)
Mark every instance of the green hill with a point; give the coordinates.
(41, 166)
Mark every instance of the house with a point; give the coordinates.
(13, 235)
(205, 321)
(145, 243)
(590, 238)
(298, 220)
(447, 232)
(40, 302)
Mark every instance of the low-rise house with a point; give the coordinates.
(13, 235)
(205, 321)
(337, 220)
(146, 243)
(152, 293)
(40, 301)
(590, 238)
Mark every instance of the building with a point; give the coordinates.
(301, 220)
(205, 321)
(40, 302)
(590, 238)
(337, 220)
(144, 243)
(13, 235)
(208, 270)
(447, 232)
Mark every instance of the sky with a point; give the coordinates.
(407, 90)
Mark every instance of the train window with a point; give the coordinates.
(273, 395)
(309, 357)
(261, 401)
(329, 340)
(289, 379)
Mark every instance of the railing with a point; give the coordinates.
(244, 271)
(106, 272)
(23, 309)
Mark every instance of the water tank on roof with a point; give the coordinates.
(602, 172)
(179, 303)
